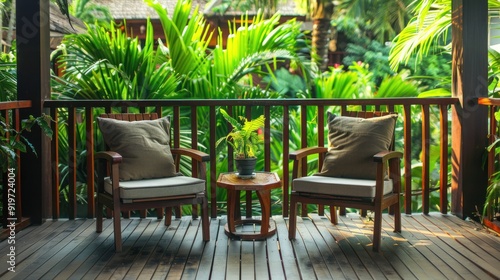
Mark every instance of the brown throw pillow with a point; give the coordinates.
(352, 144)
(144, 146)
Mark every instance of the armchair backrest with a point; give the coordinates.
(131, 117)
(370, 114)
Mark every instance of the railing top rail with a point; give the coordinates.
(488, 101)
(19, 104)
(257, 102)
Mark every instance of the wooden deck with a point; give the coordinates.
(430, 247)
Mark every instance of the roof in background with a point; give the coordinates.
(138, 9)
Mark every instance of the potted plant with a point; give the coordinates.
(245, 140)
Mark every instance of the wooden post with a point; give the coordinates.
(33, 83)
(469, 120)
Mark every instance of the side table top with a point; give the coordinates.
(262, 181)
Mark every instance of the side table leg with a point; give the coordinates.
(265, 205)
(231, 199)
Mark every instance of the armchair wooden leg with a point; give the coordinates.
(168, 216)
(342, 211)
(377, 230)
(364, 213)
(303, 211)
(195, 211)
(321, 210)
(109, 213)
(292, 220)
(117, 230)
(333, 215)
(143, 213)
(159, 213)
(397, 218)
(204, 220)
(177, 212)
(98, 223)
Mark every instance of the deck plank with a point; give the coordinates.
(55, 243)
(156, 257)
(328, 231)
(154, 232)
(62, 258)
(105, 254)
(274, 262)
(170, 253)
(81, 255)
(430, 246)
(305, 264)
(195, 254)
(407, 261)
(261, 259)
(247, 259)
(289, 261)
(221, 253)
(444, 243)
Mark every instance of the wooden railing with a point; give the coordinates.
(11, 180)
(493, 135)
(85, 111)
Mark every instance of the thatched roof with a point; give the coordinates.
(138, 9)
(60, 26)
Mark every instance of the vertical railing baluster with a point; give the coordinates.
(176, 126)
(89, 134)
(18, 202)
(72, 162)
(230, 152)
(443, 173)
(56, 179)
(248, 194)
(321, 143)
(267, 139)
(213, 162)
(194, 135)
(407, 157)
(286, 151)
(426, 139)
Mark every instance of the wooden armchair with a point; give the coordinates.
(360, 170)
(141, 171)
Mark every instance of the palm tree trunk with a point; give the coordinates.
(322, 11)
(12, 21)
(320, 41)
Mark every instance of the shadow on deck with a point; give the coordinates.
(430, 247)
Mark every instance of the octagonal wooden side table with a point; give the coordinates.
(263, 183)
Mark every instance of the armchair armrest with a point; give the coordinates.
(304, 152)
(387, 155)
(111, 157)
(388, 160)
(301, 154)
(194, 154)
(199, 158)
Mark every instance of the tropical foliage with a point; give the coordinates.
(8, 77)
(491, 207)
(105, 63)
(90, 12)
(12, 141)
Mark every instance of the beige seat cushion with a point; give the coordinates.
(339, 186)
(154, 188)
(144, 146)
